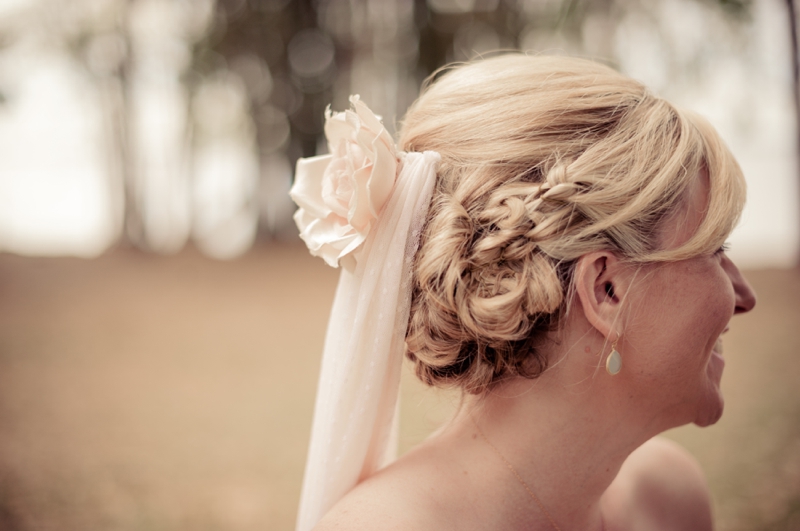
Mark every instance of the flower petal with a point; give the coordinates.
(337, 130)
(307, 188)
(367, 117)
(327, 238)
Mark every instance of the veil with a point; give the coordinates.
(354, 431)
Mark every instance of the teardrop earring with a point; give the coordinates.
(614, 360)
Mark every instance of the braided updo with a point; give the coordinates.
(544, 159)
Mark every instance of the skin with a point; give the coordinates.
(583, 440)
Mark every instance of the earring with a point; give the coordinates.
(614, 360)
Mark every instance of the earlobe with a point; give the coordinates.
(600, 287)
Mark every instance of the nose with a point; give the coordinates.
(745, 296)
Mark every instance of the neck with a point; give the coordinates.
(566, 434)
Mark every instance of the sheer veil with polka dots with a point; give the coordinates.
(354, 432)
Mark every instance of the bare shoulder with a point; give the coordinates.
(363, 509)
(405, 496)
(369, 506)
(661, 486)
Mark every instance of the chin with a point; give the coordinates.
(710, 414)
(711, 405)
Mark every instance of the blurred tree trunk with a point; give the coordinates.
(128, 198)
(795, 71)
(133, 228)
(105, 53)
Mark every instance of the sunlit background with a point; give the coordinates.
(160, 324)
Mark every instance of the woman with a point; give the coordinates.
(570, 278)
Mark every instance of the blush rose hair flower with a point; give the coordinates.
(340, 195)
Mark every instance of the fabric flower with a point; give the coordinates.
(340, 195)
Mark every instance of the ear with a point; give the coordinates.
(601, 285)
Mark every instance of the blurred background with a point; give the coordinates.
(161, 324)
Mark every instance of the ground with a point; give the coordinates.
(140, 392)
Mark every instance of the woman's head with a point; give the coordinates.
(544, 159)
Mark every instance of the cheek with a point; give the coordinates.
(676, 323)
(656, 314)
(669, 324)
(652, 340)
(716, 302)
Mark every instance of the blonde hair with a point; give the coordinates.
(544, 159)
